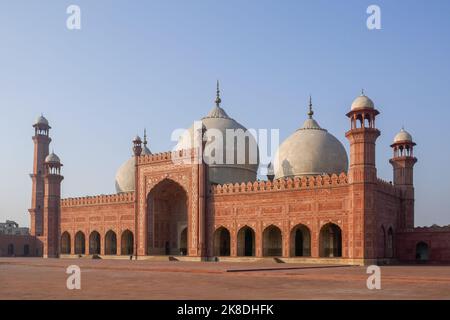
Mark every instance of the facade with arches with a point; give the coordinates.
(175, 210)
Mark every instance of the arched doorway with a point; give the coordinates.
(26, 250)
(110, 243)
(330, 241)
(80, 243)
(167, 219)
(94, 243)
(300, 241)
(127, 243)
(422, 251)
(272, 242)
(246, 242)
(382, 244)
(183, 241)
(10, 249)
(390, 243)
(65, 243)
(222, 242)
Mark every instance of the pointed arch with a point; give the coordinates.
(222, 242)
(422, 251)
(246, 242)
(110, 243)
(330, 241)
(167, 219)
(127, 243)
(65, 243)
(390, 243)
(272, 241)
(80, 243)
(300, 240)
(94, 243)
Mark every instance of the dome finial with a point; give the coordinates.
(218, 100)
(362, 92)
(310, 112)
(145, 136)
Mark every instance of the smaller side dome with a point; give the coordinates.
(52, 158)
(362, 102)
(137, 139)
(41, 121)
(403, 135)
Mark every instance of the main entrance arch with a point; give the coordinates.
(167, 221)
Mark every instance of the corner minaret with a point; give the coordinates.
(403, 163)
(52, 206)
(41, 141)
(362, 176)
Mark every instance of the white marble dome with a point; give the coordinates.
(403, 135)
(362, 102)
(310, 150)
(52, 158)
(222, 173)
(41, 121)
(125, 176)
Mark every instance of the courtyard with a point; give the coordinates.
(36, 278)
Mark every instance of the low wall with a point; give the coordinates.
(20, 246)
(424, 245)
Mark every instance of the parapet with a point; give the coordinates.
(297, 183)
(125, 197)
(388, 187)
(178, 156)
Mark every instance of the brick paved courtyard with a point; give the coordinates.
(35, 278)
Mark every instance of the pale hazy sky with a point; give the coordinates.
(154, 64)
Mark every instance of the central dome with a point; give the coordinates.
(236, 171)
(310, 150)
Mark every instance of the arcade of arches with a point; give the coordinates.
(330, 244)
(111, 246)
(330, 239)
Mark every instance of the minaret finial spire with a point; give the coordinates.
(218, 100)
(145, 137)
(310, 112)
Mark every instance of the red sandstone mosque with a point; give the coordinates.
(318, 205)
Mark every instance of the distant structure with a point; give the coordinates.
(12, 228)
(318, 205)
(15, 240)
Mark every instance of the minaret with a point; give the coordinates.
(403, 163)
(362, 176)
(52, 207)
(41, 141)
(137, 152)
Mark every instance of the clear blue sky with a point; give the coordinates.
(154, 64)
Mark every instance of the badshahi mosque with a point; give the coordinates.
(317, 205)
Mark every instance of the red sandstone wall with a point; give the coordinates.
(437, 240)
(99, 213)
(388, 211)
(18, 243)
(312, 202)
